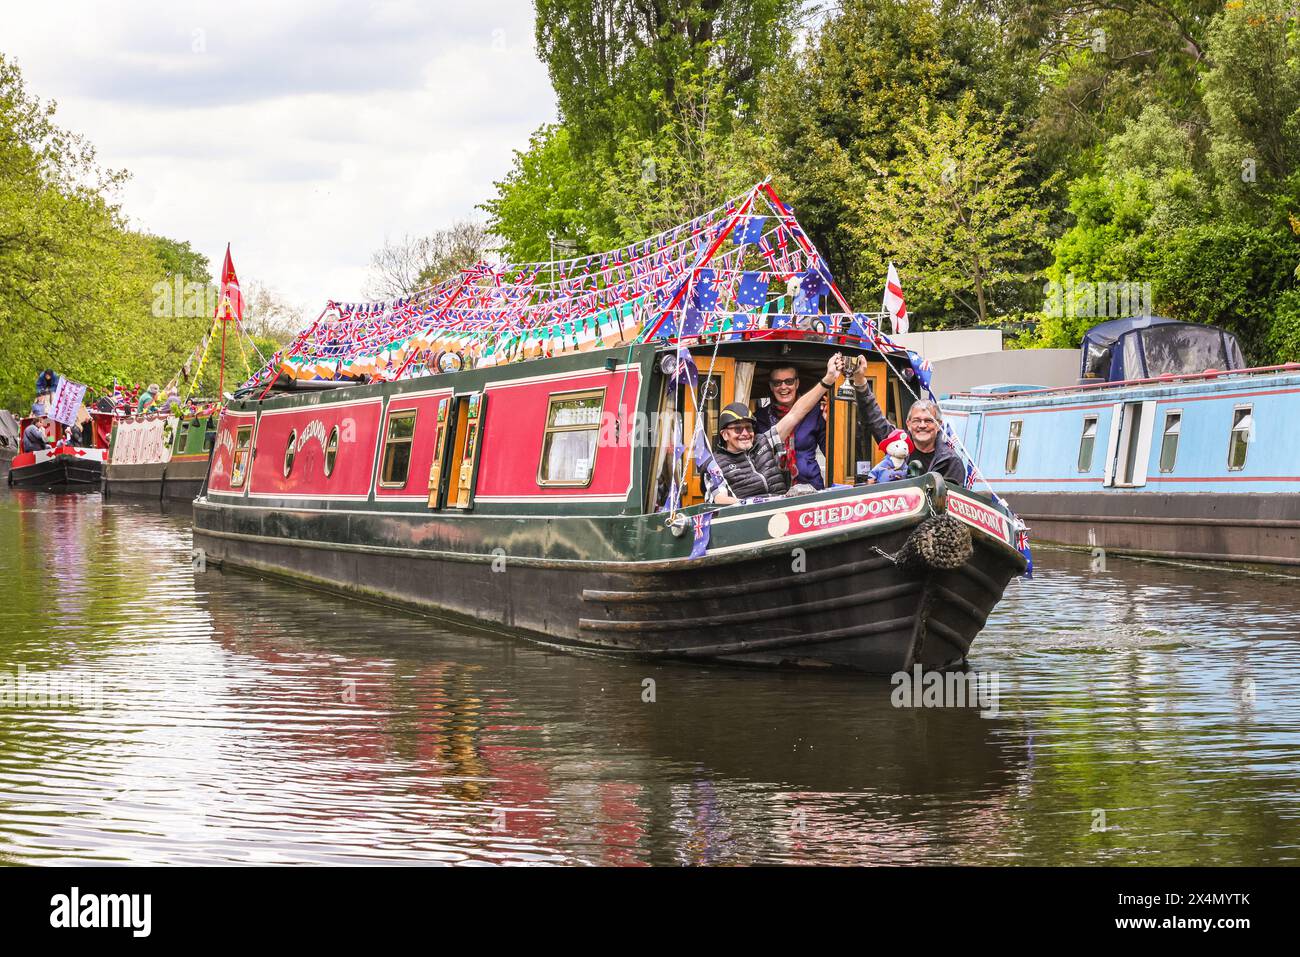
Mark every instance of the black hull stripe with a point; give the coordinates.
(726, 591)
(762, 614)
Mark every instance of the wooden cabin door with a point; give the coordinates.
(716, 389)
(444, 426)
(467, 446)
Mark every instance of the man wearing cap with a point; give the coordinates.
(753, 464)
(924, 422)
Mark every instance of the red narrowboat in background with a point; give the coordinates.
(63, 467)
(522, 456)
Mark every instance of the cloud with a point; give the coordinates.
(303, 134)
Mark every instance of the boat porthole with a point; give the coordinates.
(331, 451)
(289, 452)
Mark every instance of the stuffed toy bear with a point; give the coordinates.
(893, 467)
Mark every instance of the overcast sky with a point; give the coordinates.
(305, 134)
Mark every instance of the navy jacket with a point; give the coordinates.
(809, 436)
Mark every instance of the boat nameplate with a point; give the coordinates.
(979, 516)
(859, 510)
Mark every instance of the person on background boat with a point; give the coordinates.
(147, 399)
(809, 436)
(34, 436)
(924, 423)
(46, 382)
(752, 462)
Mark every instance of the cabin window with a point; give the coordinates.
(569, 446)
(239, 464)
(1243, 433)
(331, 451)
(1169, 444)
(290, 451)
(209, 435)
(1013, 446)
(397, 449)
(1087, 442)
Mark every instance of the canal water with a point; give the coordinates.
(1146, 713)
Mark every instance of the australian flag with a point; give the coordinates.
(812, 287)
(685, 370)
(702, 522)
(1022, 546)
(748, 230)
(924, 371)
(752, 291)
(706, 290)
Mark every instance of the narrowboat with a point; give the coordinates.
(1168, 446)
(63, 468)
(10, 438)
(521, 458)
(160, 456)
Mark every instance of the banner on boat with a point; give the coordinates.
(145, 441)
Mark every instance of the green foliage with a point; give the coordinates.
(1253, 99)
(657, 104)
(547, 193)
(957, 212)
(837, 112)
(75, 283)
(616, 65)
(1230, 275)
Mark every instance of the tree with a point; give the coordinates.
(836, 111)
(695, 162)
(957, 212)
(76, 285)
(547, 194)
(416, 262)
(616, 64)
(1253, 98)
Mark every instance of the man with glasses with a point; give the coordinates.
(924, 422)
(808, 437)
(752, 462)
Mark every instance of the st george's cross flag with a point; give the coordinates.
(894, 304)
(230, 302)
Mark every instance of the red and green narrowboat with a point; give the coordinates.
(160, 456)
(517, 459)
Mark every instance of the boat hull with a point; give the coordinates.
(178, 480)
(1260, 528)
(79, 471)
(835, 602)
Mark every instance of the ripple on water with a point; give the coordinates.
(236, 720)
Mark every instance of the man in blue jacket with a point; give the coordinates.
(809, 435)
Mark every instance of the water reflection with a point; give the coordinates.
(247, 720)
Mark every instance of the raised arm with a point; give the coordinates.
(808, 401)
(868, 408)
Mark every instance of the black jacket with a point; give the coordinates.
(946, 461)
(757, 472)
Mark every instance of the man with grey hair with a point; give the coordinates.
(924, 422)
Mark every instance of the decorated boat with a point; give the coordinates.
(76, 446)
(163, 455)
(526, 446)
(1168, 446)
(160, 456)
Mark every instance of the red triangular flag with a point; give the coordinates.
(230, 304)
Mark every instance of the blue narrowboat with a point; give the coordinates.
(1168, 446)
